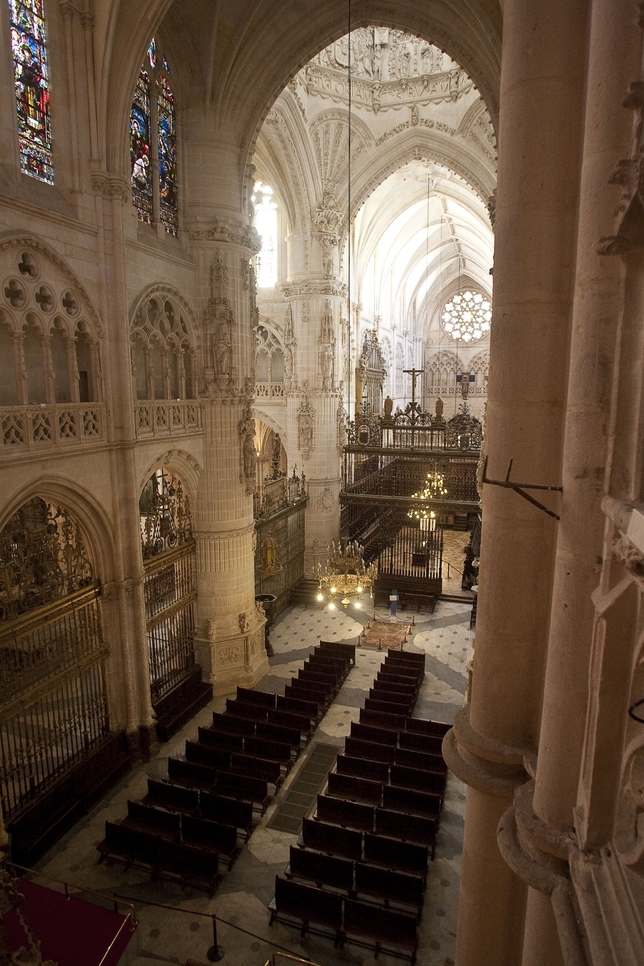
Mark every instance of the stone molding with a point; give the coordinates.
(485, 776)
(220, 232)
(315, 287)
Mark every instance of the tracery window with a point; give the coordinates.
(163, 351)
(269, 365)
(31, 77)
(467, 316)
(153, 145)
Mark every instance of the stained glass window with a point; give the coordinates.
(140, 149)
(154, 158)
(29, 47)
(167, 157)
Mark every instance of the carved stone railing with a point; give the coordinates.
(28, 429)
(167, 417)
(269, 390)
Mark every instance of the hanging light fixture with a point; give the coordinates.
(345, 577)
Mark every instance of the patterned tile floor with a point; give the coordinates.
(241, 901)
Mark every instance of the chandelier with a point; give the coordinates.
(433, 489)
(467, 317)
(345, 576)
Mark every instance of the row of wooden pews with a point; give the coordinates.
(207, 802)
(359, 869)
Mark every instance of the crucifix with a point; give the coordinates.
(414, 373)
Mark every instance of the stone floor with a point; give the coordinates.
(173, 936)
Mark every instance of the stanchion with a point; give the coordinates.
(216, 952)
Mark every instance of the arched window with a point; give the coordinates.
(29, 48)
(153, 145)
(269, 365)
(162, 351)
(266, 224)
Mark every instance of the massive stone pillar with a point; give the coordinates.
(493, 745)
(230, 636)
(543, 812)
(314, 375)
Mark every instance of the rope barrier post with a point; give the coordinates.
(216, 952)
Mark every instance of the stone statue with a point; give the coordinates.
(440, 405)
(388, 407)
(250, 457)
(222, 349)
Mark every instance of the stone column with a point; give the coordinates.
(230, 629)
(545, 821)
(495, 738)
(313, 400)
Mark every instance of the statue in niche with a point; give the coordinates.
(222, 349)
(249, 455)
(326, 364)
(440, 405)
(270, 561)
(388, 407)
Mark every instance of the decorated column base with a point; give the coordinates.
(238, 659)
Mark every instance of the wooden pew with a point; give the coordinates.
(403, 702)
(357, 748)
(392, 707)
(251, 696)
(375, 771)
(227, 811)
(221, 740)
(391, 886)
(329, 671)
(130, 845)
(324, 659)
(299, 705)
(207, 755)
(308, 905)
(381, 719)
(421, 781)
(394, 687)
(409, 659)
(381, 736)
(154, 821)
(385, 930)
(264, 768)
(302, 694)
(387, 678)
(394, 854)
(331, 839)
(338, 811)
(407, 828)
(427, 727)
(409, 800)
(239, 709)
(202, 833)
(291, 719)
(175, 798)
(194, 867)
(354, 789)
(286, 736)
(273, 750)
(415, 741)
(420, 760)
(319, 681)
(324, 870)
(243, 788)
(231, 725)
(335, 647)
(190, 773)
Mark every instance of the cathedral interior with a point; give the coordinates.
(321, 355)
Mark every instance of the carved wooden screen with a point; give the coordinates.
(53, 701)
(170, 581)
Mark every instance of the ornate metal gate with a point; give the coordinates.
(170, 582)
(53, 701)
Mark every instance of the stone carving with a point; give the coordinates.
(328, 216)
(219, 273)
(229, 654)
(289, 334)
(288, 367)
(629, 173)
(270, 561)
(342, 419)
(211, 629)
(222, 349)
(248, 454)
(244, 623)
(305, 425)
(327, 359)
(261, 613)
(324, 502)
(629, 555)
(329, 242)
(326, 330)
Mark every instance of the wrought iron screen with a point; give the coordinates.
(53, 699)
(170, 592)
(170, 584)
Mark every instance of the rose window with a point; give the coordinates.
(467, 317)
